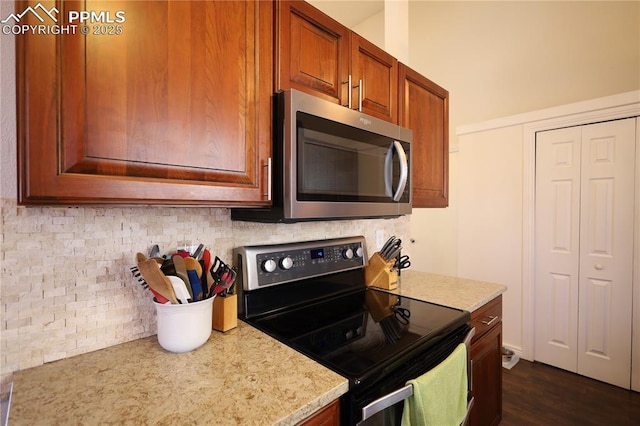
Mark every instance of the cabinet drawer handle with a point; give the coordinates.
(491, 320)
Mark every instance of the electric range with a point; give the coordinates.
(312, 296)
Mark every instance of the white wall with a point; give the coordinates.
(503, 58)
(490, 219)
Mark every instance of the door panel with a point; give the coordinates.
(173, 110)
(423, 107)
(313, 52)
(557, 246)
(560, 332)
(378, 72)
(584, 249)
(606, 252)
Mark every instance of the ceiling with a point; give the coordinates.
(349, 12)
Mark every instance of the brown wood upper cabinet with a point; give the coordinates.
(172, 108)
(318, 55)
(424, 108)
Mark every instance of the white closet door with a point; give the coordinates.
(585, 191)
(557, 245)
(606, 251)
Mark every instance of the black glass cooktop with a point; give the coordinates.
(362, 331)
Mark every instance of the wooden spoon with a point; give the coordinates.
(181, 271)
(191, 264)
(157, 280)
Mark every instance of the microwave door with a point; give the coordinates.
(335, 168)
(388, 171)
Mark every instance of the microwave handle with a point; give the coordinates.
(388, 171)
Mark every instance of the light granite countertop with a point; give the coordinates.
(455, 292)
(240, 377)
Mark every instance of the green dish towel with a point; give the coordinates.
(440, 395)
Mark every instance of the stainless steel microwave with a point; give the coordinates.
(331, 162)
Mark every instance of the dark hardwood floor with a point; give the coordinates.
(538, 394)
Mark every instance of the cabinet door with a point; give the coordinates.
(486, 355)
(374, 75)
(424, 108)
(313, 52)
(328, 416)
(172, 108)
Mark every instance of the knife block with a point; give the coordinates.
(380, 273)
(225, 312)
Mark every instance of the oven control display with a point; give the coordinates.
(317, 253)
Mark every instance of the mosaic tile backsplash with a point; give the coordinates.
(66, 286)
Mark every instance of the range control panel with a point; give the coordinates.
(267, 265)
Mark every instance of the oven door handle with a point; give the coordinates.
(386, 401)
(388, 171)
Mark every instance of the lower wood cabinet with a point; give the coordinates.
(328, 416)
(486, 356)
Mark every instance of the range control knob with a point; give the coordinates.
(359, 251)
(286, 263)
(269, 265)
(347, 253)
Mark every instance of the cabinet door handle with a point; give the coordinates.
(360, 90)
(268, 166)
(349, 90)
(491, 320)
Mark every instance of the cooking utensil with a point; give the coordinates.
(388, 244)
(217, 262)
(206, 258)
(395, 246)
(136, 273)
(179, 287)
(181, 271)
(157, 281)
(198, 253)
(223, 276)
(393, 253)
(140, 257)
(228, 278)
(196, 285)
(402, 262)
(155, 251)
(191, 264)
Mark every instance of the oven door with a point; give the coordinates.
(382, 404)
